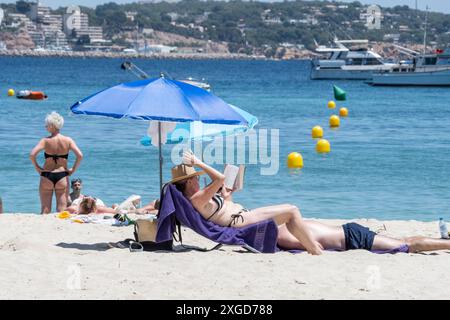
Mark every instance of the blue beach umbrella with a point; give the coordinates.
(159, 99)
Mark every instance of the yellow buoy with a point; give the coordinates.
(331, 105)
(11, 93)
(317, 132)
(343, 112)
(323, 146)
(295, 160)
(334, 121)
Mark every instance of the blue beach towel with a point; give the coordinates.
(261, 236)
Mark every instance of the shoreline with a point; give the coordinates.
(367, 219)
(115, 55)
(49, 258)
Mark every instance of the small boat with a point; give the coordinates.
(31, 95)
(129, 66)
(197, 83)
(349, 60)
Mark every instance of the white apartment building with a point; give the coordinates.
(75, 20)
(46, 31)
(37, 11)
(131, 15)
(372, 17)
(18, 20)
(95, 34)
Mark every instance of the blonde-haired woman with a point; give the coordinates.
(55, 170)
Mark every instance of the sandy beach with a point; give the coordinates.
(43, 257)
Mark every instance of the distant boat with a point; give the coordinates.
(197, 83)
(129, 51)
(129, 66)
(425, 70)
(345, 63)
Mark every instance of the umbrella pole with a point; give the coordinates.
(160, 157)
(203, 160)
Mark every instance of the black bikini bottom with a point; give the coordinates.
(54, 176)
(235, 217)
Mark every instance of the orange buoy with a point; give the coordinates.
(343, 112)
(31, 95)
(37, 95)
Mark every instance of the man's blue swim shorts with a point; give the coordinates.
(358, 237)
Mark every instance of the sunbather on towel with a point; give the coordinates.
(88, 204)
(293, 231)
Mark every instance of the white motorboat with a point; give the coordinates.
(425, 70)
(343, 62)
(129, 66)
(195, 82)
(431, 69)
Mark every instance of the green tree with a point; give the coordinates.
(23, 6)
(84, 40)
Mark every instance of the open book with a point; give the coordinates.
(234, 177)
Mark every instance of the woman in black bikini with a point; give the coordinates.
(54, 174)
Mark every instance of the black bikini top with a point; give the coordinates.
(56, 156)
(218, 199)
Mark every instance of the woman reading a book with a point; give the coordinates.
(214, 203)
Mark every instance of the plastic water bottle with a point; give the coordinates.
(443, 229)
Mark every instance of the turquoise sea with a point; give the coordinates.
(390, 158)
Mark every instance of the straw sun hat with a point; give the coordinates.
(183, 172)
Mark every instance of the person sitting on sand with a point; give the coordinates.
(294, 232)
(55, 171)
(76, 185)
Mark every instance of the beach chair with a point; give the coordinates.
(175, 210)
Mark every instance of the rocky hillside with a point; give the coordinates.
(19, 40)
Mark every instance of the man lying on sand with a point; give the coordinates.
(293, 231)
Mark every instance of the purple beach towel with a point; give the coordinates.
(260, 236)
